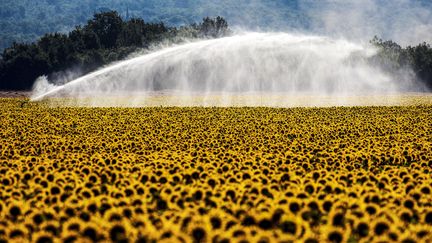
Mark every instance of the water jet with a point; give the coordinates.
(248, 64)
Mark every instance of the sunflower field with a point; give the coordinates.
(161, 174)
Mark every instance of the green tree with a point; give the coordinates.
(84, 39)
(213, 28)
(107, 26)
(390, 54)
(132, 33)
(154, 32)
(392, 57)
(22, 64)
(421, 61)
(57, 47)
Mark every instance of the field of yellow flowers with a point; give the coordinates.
(347, 174)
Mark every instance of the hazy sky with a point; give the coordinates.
(407, 21)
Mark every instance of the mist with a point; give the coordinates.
(325, 55)
(408, 22)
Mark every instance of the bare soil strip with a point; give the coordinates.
(14, 94)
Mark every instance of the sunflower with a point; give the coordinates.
(17, 232)
(380, 227)
(43, 237)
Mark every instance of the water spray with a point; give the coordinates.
(264, 63)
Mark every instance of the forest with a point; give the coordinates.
(106, 38)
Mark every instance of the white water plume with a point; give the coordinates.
(263, 63)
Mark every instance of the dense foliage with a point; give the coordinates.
(394, 57)
(104, 39)
(215, 174)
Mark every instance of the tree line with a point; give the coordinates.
(392, 56)
(107, 37)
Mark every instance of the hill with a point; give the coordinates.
(25, 20)
(408, 22)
